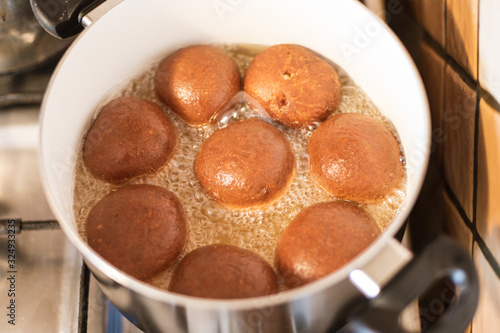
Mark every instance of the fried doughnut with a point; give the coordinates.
(355, 157)
(321, 239)
(140, 229)
(130, 137)
(197, 82)
(223, 272)
(294, 86)
(246, 164)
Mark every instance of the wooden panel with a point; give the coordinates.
(488, 188)
(458, 146)
(462, 33)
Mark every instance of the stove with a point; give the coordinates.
(44, 284)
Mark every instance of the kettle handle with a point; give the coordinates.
(62, 18)
(442, 258)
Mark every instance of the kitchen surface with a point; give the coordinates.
(46, 287)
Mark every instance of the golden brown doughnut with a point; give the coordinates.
(355, 157)
(246, 164)
(321, 239)
(294, 86)
(223, 272)
(140, 229)
(130, 137)
(197, 82)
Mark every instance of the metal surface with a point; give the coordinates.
(103, 316)
(9, 226)
(23, 42)
(46, 283)
(62, 18)
(21, 193)
(47, 266)
(20, 98)
(99, 11)
(25, 88)
(442, 258)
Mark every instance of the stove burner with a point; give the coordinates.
(25, 87)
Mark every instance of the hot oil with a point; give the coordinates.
(209, 223)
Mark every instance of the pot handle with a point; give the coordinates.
(62, 18)
(442, 258)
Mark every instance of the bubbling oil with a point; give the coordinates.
(259, 229)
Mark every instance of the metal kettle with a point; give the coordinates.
(24, 44)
